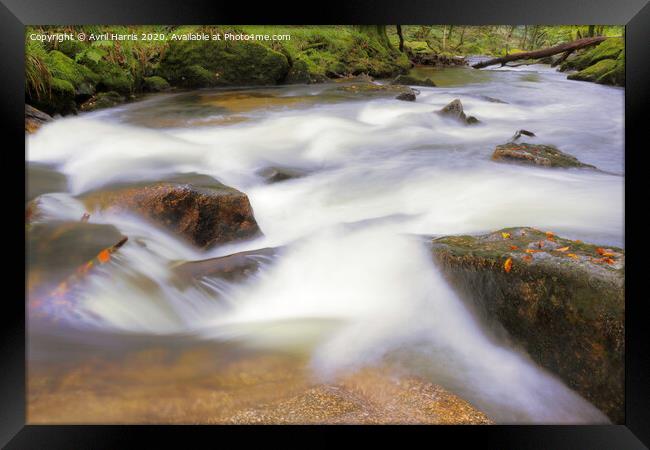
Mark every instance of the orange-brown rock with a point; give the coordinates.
(205, 215)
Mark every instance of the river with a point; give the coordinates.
(354, 286)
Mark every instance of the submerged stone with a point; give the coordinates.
(408, 80)
(562, 300)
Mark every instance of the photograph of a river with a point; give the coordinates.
(348, 319)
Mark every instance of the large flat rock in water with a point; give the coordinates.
(536, 154)
(204, 214)
(562, 300)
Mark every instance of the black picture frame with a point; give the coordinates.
(15, 14)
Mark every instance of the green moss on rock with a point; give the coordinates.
(536, 154)
(154, 84)
(65, 68)
(562, 300)
(220, 62)
(103, 100)
(608, 49)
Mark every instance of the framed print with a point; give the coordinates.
(409, 214)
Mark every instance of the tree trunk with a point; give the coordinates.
(401, 38)
(569, 46)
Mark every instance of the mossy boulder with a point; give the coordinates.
(562, 300)
(536, 154)
(64, 68)
(223, 62)
(608, 49)
(103, 100)
(606, 71)
(154, 84)
(408, 80)
(372, 89)
(71, 48)
(204, 214)
(110, 75)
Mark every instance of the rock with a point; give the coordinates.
(55, 250)
(407, 96)
(35, 118)
(277, 174)
(43, 179)
(154, 84)
(492, 99)
(233, 267)
(370, 89)
(536, 154)
(565, 306)
(407, 80)
(205, 215)
(103, 100)
(454, 110)
(606, 71)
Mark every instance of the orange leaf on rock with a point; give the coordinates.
(513, 247)
(104, 256)
(527, 258)
(507, 265)
(505, 235)
(532, 250)
(563, 249)
(572, 255)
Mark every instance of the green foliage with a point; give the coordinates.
(609, 49)
(37, 74)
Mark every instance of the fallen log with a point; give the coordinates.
(542, 53)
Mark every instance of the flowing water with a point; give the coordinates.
(354, 286)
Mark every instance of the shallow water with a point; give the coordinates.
(354, 286)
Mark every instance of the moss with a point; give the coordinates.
(595, 72)
(408, 80)
(608, 49)
(80, 77)
(222, 62)
(71, 48)
(61, 98)
(541, 155)
(154, 84)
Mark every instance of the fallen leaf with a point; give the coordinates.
(104, 256)
(505, 235)
(532, 250)
(550, 235)
(507, 265)
(603, 252)
(513, 247)
(573, 255)
(527, 258)
(578, 241)
(562, 249)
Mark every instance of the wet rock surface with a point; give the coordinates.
(562, 300)
(407, 80)
(233, 267)
(35, 118)
(205, 214)
(454, 110)
(56, 249)
(536, 154)
(407, 96)
(278, 174)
